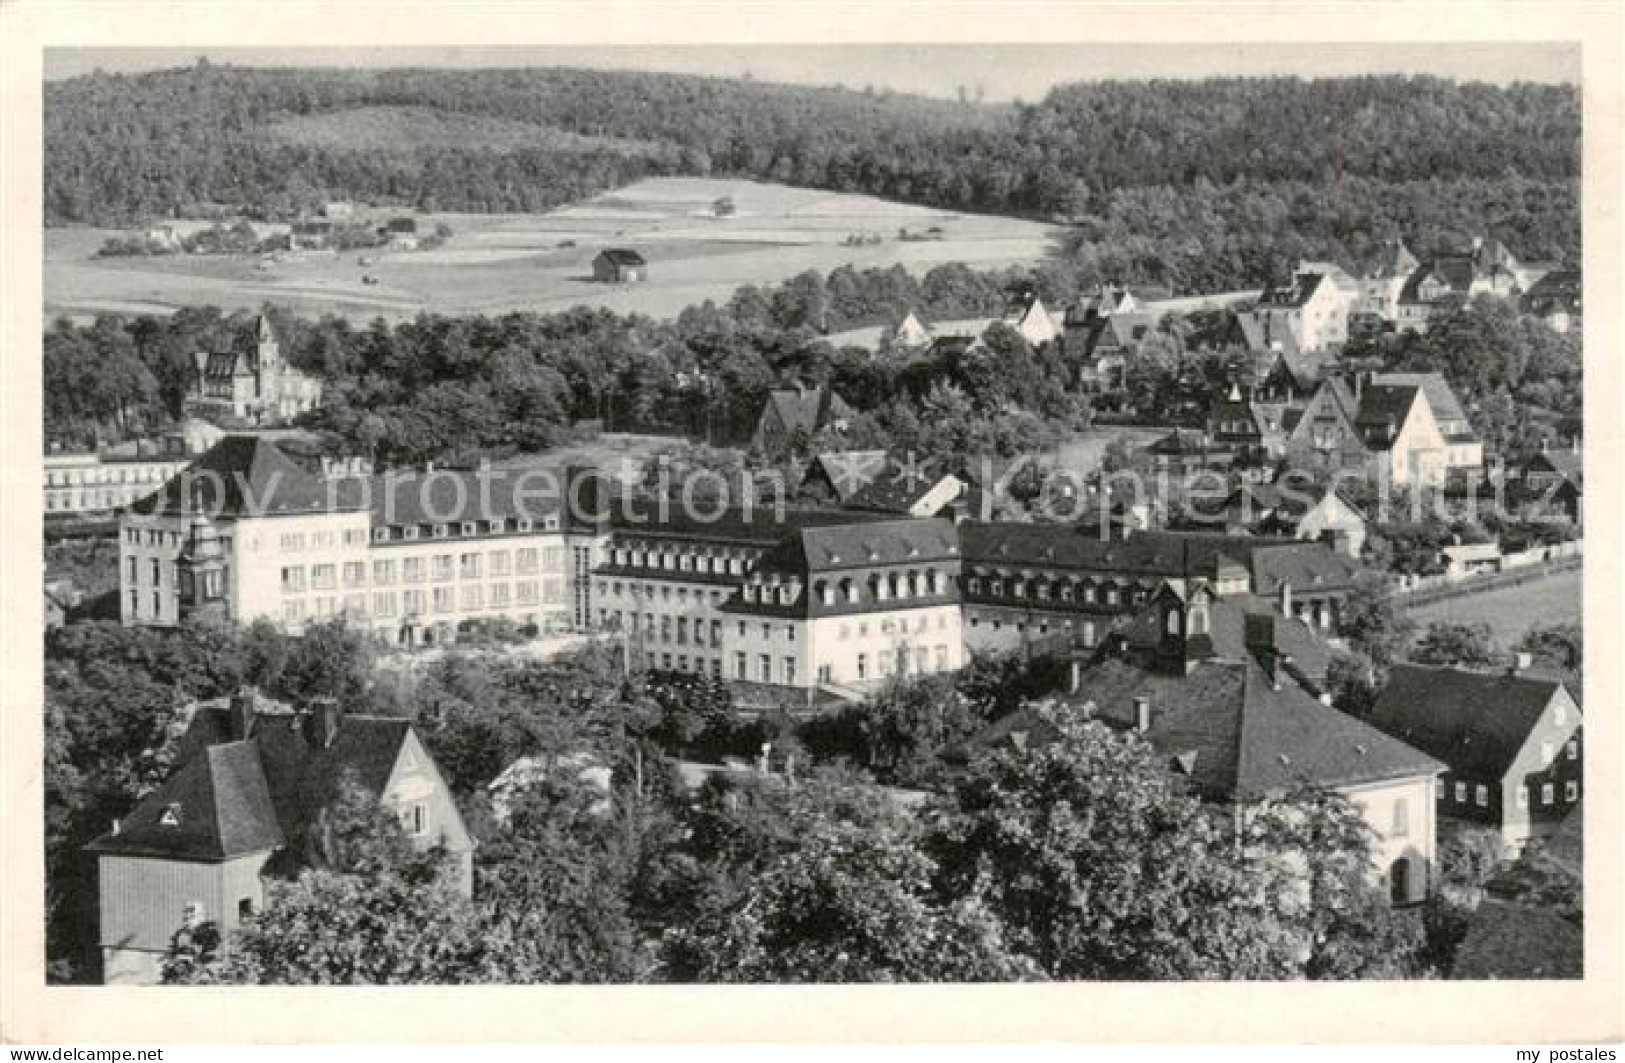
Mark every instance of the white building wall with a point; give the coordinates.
(1402, 816)
(263, 548)
(870, 648)
(148, 588)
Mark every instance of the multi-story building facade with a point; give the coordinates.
(1026, 583)
(248, 533)
(849, 607)
(81, 483)
(1313, 309)
(666, 574)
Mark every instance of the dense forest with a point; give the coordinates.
(1197, 185)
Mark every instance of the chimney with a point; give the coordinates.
(322, 722)
(1520, 663)
(1075, 675)
(115, 828)
(1286, 604)
(1142, 714)
(1259, 632)
(242, 713)
(1574, 445)
(764, 762)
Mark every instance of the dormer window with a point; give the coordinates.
(851, 591)
(441, 531)
(826, 593)
(551, 523)
(171, 816)
(468, 527)
(380, 535)
(524, 524)
(410, 531)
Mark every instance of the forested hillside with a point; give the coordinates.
(1192, 184)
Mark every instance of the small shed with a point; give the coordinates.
(619, 265)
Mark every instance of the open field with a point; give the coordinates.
(497, 263)
(1082, 453)
(1514, 610)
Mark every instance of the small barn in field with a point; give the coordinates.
(619, 265)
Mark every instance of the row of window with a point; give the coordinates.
(440, 600)
(100, 476)
(1065, 591)
(669, 629)
(440, 568)
(1041, 625)
(497, 526)
(326, 539)
(912, 584)
(1480, 795)
(728, 564)
(70, 501)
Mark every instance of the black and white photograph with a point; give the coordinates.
(715, 514)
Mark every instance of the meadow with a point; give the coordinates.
(1513, 610)
(495, 263)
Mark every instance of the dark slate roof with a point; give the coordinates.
(1566, 463)
(835, 548)
(246, 475)
(622, 256)
(1383, 411)
(215, 806)
(1441, 398)
(446, 496)
(1227, 635)
(808, 410)
(1296, 294)
(1226, 727)
(1158, 554)
(897, 493)
(850, 471)
(1309, 567)
(1561, 289)
(1506, 940)
(227, 364)
(762, 525)
(1476, 722)
(264, 792)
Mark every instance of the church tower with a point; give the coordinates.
(268, 368)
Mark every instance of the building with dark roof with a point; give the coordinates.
(797, 414)
(619, 265)
(1511, 743)
(1313, 309)
(244, 387)
(666, 573)
(1030, 584)
(1557, 298)
(247, 803)
(849, 606)
(248, 532)
(1232, 694)
(835, 476)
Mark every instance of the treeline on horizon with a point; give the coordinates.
(1219, 182)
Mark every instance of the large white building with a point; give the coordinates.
(246, 533)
